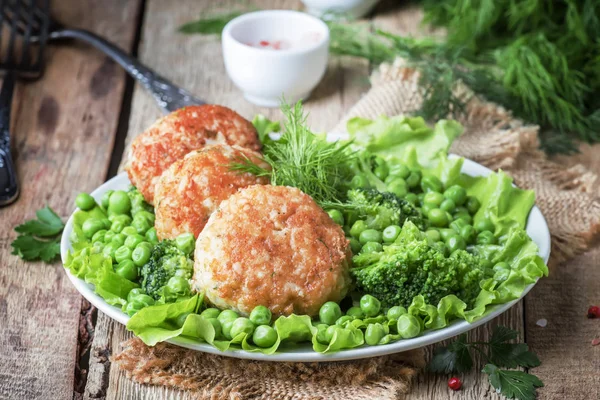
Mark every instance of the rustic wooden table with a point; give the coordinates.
(70, 129)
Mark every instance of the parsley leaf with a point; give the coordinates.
(453, 358)
(46, 224)
(510, 355)
(39, 239)
(513, 384)
(30, 248)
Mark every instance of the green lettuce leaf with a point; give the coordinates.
(392, 136)
(504, 204)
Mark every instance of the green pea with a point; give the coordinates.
(390, 234)
(322, 333)
(411, 198)
(117, 226)
(468, 233)
(119, 203)
(448, 205)
(137, 302)
(465, 217)
(433, 198)
(355, 246)
(355, 312)
(357, 228)
(431, 184)
(85, 202)
(400, 170)
(381, 171)
(264, 336)
(395, 312)
(133, 240)
(108, 236)
(226, 315)
(242, 325)
(330, 312)
(129, 230)
(398, 186)
(140, 255)
(178, 284)
(107, 223)
(458, 224)
(336, 216)
(151, 235)
(104, 200)
(433, 235)
(425, 208)
(118, 239)
(147, 215)
(91, 226)
(413, 179)
(456, 193)
(359, 181)
(122, 253)
(147, 245)
(472, 205)
(456, 242)
(186, 243)
(135, 292)
(374, 333)
(371, 247)
(438, 217)
(210, 313)
(446, 233)
(226, 326)
(141, 225)
(485, 237)
(261, 315)
(408, 326)
(370, 235)
(216, 326)
(341, 321)
(330, 332)
(99, 236)
(127, 269)
(420, 198)
(369, 305)
(484, 224)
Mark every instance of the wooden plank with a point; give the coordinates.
(63, 131)
(406, 20)
(195, 62)
(570, 364)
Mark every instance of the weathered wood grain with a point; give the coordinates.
(63, 130)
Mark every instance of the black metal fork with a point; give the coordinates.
(169, 96)
(22, 61)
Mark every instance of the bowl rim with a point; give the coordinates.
(306, 353)
(324, 40)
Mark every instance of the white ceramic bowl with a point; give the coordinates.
(350, 8)
(266, 75)
(536, 228)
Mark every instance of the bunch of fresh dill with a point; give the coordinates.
(304, 160)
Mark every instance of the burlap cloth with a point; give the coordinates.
(493, 138)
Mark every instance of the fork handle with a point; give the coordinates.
(169, 96)
(9, 185)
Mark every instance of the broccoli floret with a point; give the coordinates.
(381, 209)
(138, 203)
(411, 267)
(166, 261)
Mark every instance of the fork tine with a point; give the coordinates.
(10, 53)
(43, 13)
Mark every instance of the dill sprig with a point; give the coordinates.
(304, 160)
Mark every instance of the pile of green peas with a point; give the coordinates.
(228, 324)
(126, 237)
(369, 316)
(449, 211)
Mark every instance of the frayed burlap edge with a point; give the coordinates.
(217, 377)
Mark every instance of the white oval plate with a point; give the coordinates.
(536, 228)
